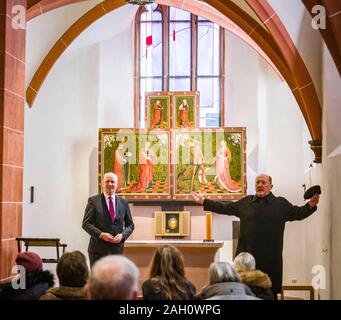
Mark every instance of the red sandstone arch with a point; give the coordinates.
(276, 44)
(64, 41)
(266, 13)
(107, 6)
(302, 86)
(310, 107)
(332, 33)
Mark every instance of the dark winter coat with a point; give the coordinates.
(262, 222)
(37, 283)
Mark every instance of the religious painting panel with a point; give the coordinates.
(209, 161)
(140, 158)
(158, 110)
(185, 109)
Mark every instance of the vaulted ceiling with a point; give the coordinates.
(256, 20)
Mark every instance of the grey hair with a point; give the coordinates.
(113, 277)
(244, 261)
(222, 272)
(265, 175)
(109, 174)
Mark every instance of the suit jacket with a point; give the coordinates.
(97, 220)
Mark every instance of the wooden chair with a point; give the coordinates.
(42, 242)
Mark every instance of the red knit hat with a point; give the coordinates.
(30, 261)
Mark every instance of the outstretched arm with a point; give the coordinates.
(300, 213)
(229, 208)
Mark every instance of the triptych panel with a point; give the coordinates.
(168, 164)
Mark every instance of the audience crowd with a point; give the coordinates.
(115, 277)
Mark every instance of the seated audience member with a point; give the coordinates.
(31, 284)
(224, 284)
(167, 279)
(73, 273)
(113, 277)
(258, 281)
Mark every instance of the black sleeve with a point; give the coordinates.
(128, 222)
(89, 221)
(229, 208)
(297, 213)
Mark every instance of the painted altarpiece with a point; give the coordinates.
(167, 164)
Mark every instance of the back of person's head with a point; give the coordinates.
(222, 272)
(72, 269)
(113, 277)
(31, 261)
(167, 263)
(37, 280)
(244, 261)
(169, 273)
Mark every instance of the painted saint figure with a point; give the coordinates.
(183, 114)
(196, 166)
(157, 120)
(121, 163)
(223, 177)
(147, 161)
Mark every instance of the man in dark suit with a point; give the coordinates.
(262, 221)
(107, 220)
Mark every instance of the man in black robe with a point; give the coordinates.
(262, 221)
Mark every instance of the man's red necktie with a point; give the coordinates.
(111, 209)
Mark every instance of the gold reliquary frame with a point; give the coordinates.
(172, 223)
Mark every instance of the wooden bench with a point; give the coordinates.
(42, 242)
